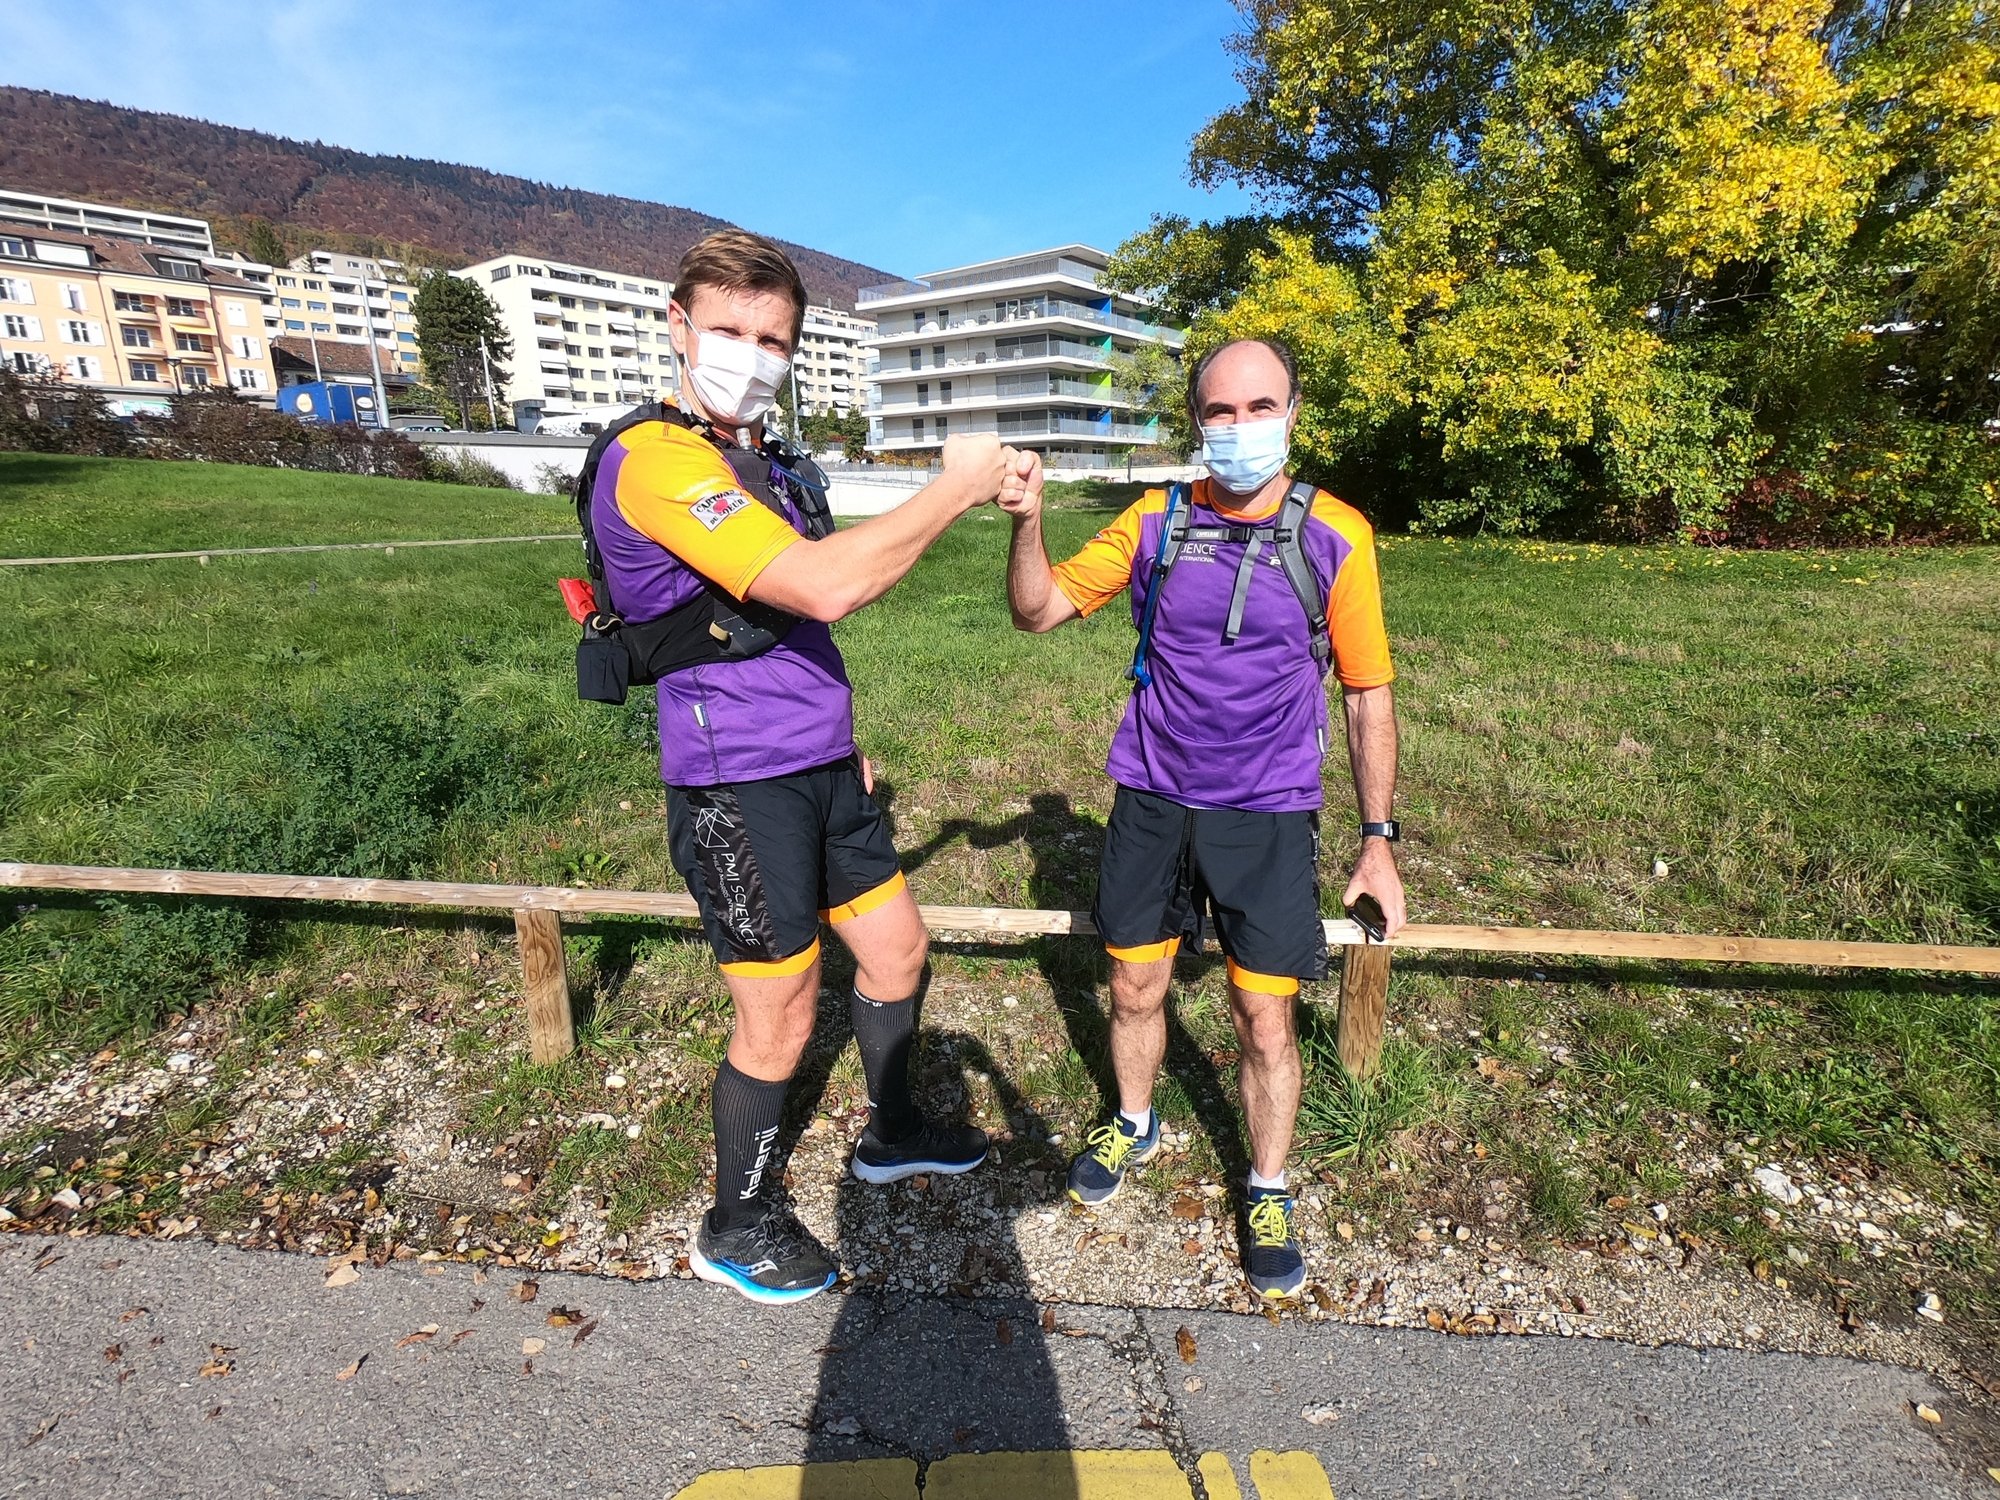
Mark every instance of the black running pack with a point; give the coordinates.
(617, 653)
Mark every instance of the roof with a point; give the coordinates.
(133, 258)
(296, 354)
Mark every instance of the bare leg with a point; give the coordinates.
(1270, 1074)
(1138, 1029)
(774, 1021)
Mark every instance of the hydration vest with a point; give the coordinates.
(1286, 537)
(714, 626)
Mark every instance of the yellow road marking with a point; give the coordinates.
(1288, 1476)
(865, 1479)
(1102, 1474)
(1218, 1476)
(1097, 1474)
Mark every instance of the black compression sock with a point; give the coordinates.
(747, 1115)
(886, 1032)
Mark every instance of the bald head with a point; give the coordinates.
(1244, 380)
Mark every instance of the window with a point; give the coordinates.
(247, 347)
(944, 393)
(288, 281)
(296, 325)
(131, 302)
(250, 380)
(72, 296)
(916, 359)
(11, 246)
(78, 331)
(144, 371)
(923, 393)
(596, 374)
(181, 307)
(191, 343)
(572, 348)
(288, 302)
(940, 426)
(589, 306)
(315, 306)
(937, 357)
(596, 328)
(569, 327)
(195, 377)
(399, 296)
(322, 328)
(406, 338)
(236, 313)
(85, 367)
(137, 338)
(13, 289)
(917, 428)
(315, 286)
(596, 353)
(21, 326)
(601, 396)
(22, 363)
(182, 270)
(566, 302)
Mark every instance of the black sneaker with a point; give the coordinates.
(773, 1259)
(1271, 1258)
(932, 1147)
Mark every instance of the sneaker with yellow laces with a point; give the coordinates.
(1111, 1150)
(1271, 1258)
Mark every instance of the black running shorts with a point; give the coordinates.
(1255, 873)
(766, 860)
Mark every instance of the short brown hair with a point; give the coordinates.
(735, 260)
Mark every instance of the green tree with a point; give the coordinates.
(1606, 262)
(453, 316)
(264, 241)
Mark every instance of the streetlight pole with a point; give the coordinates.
(486, 366)
(374, 358)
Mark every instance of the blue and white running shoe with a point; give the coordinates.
(772, 1260)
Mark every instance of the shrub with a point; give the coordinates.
(554, 479)
(460, 466)
(217, 427)
(46, 415)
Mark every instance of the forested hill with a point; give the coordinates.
(320, 195)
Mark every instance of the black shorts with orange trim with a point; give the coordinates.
(766, 860)
(1254, 874)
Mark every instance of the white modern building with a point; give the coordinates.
(832, 365)
(40, 211)
(581, 336)
(1022, 346)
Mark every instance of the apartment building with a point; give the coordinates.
(136, 321)
(19, 207)
(832, 365)
(1024, 346)
(582, 336)
(332, 297)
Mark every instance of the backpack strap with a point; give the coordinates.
(1290, 539)
(1173, 533)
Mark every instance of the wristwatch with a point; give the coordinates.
(1391, 830)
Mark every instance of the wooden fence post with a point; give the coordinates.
(551, 1032)
(1364, 996)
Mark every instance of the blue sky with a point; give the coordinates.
(907, 134)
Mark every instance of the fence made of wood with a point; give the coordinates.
(1364, 981)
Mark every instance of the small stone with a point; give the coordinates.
(614, 1081)
(1954, 1220)
(1659, 1212)
(1931, 1306)
(845, 1427)
(624, 807)
(181, 1062)
(1320, 1416)
(1926, 1413)
(1871, 1231)
(1191, 1384)
(632, 1132)
(67, 1198)
(1659, 869)
(1010, 1001)
(1344, 1229)
(1777, 1184)
(313, 1055)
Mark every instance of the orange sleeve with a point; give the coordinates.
(1354, 608)
(679, 490)
(1102, 569)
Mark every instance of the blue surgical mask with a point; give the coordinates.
(1243, 457)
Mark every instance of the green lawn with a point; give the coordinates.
(1805, 742)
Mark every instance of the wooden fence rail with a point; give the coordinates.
(538, 911)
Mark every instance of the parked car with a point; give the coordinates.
(419, 421)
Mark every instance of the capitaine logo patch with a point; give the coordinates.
(713, 510)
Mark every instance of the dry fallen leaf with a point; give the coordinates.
(563, 1317)
(1048, 1320)
(1185, 1207)
(1927, 1413)
(1184, 1342)
(533, 1346)
(583, 1333)
(422, 1335)
(218, 1367)
(527, 1291)
(343, 1274)
(460, 1337)
(134, 1312)
(113, 1353)
(352, 1370)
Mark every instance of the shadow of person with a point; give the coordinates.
(910, 1374)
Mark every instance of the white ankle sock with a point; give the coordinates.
(1260, 1183)
(1140, 1123)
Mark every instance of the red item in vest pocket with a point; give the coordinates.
(578, 598)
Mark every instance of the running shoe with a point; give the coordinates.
(772, 1260)
(1271, 1260)
(932, 1147)
(1099, 1171)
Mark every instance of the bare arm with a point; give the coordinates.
(1032, 595)
(1371, 753)
(832, 578)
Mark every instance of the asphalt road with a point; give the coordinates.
(103, 1392)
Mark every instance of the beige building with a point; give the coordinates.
(831, 366)
(329, 296)
(581, 336)
(138, 322)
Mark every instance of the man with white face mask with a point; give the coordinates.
(770, 815)
(1218, 759)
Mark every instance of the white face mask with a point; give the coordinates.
(736, 381)
(1243, 457)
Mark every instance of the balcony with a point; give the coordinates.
(1054, 310)
(994, 275)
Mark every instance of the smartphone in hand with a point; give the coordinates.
(1367, 914)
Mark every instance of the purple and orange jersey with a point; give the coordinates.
(668, 511)
(1239, 724)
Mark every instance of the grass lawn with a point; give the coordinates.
(1792, 744)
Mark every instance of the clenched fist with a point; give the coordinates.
(1021, 491)
(977, 460)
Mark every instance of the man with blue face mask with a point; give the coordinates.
(770, 815)
(1245, 590)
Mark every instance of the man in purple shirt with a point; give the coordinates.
(1217, 761)
(770, 815)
